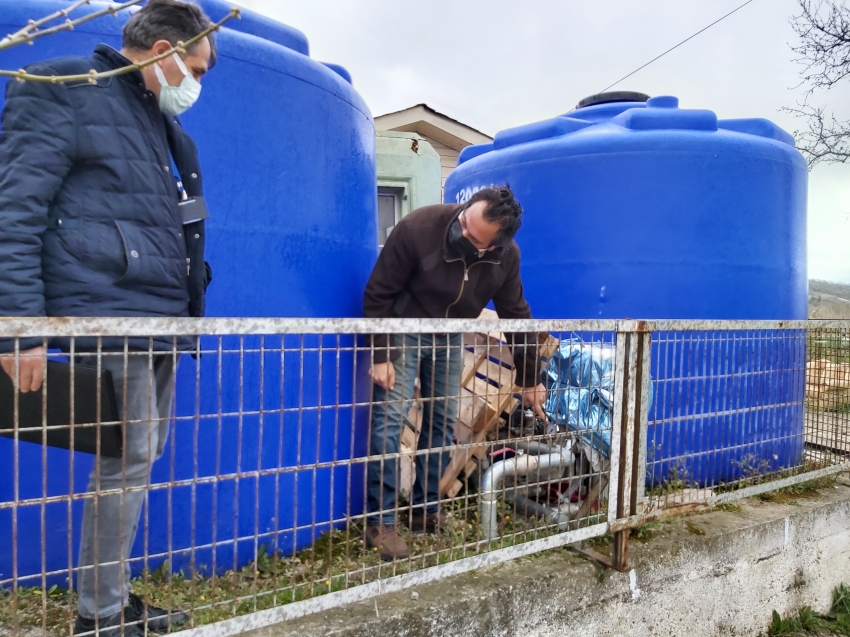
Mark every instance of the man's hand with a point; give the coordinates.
(383, 374)
(31, 373)
(534, 397)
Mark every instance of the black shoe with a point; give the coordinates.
(136, 612)
(107, 627)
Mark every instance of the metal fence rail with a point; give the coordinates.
(256, 453)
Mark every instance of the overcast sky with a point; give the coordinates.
(494, 64)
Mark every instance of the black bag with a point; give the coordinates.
(59, 428)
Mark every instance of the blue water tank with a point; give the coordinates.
(639, 209)
(287, 149)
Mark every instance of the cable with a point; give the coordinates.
(677, 46)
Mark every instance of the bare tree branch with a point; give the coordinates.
(31, 33)
(33, 25)
(823, 28)
(824, 50)
(93, 76)
(825, 138)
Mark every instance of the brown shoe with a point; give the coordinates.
(429, 523)
(386, 539)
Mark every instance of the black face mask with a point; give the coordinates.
(458, 243)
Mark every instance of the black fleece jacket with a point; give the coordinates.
(418, 276)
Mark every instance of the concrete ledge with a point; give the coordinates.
(720, 573)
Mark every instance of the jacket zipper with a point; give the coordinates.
(466, 269)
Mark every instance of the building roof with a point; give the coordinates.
(426, 121)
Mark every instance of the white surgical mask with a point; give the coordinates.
(174, 100)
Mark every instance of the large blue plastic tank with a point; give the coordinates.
(287, 149)
(648, 211)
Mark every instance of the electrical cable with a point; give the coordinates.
(676, 47)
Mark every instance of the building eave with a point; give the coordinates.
(426, 121)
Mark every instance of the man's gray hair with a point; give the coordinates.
(170, 20)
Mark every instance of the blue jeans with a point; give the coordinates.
(437, 359)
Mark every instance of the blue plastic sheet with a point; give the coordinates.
(580, 377)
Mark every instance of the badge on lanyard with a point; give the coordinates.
(193, 209)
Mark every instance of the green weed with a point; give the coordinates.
(337, 560)
(808, 622)
(729, 507)
(805, 623)
(808, 489)
(648, 531)
(693, 528)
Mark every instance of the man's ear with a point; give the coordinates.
(161, 46)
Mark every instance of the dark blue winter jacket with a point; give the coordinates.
(89, 218)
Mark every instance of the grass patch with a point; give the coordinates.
(843, 408)
(808, 622)
(804, 490)
(675, 483)
(601, 541)
(33, 607)
(644, 533)
(337, 560)
(761, 473)
(693, 528)
(728, 507)
(648, 531)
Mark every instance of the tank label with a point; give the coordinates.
(465, 194)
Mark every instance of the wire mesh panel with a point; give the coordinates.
(828, 395)
(729, 414)
(243, 466)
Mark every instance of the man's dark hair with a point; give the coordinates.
(502, 208)
(170, 20)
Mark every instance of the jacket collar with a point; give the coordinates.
(492, 256)
(112, 59)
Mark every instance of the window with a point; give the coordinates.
(389, 211)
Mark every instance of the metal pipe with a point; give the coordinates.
(530, 508)
(519, 465)
(534, 448)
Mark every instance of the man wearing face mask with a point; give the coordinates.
(443, 261)
(92, 224)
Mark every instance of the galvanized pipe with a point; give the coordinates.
(519, 465)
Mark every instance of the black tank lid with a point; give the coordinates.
(611, 97)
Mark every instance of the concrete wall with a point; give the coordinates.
(406, 160)
(720, 573)
(448, 159)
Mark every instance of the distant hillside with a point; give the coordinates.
(826, 306)
(840, 290)
(829, 300)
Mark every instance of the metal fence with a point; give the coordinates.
(256, 468)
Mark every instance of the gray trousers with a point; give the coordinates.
(144, 391)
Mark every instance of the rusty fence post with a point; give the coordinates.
(631, 407)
